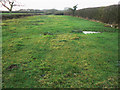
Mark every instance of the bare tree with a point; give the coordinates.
(73, 9)
(9, 4)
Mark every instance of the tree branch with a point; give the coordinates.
(4, 5)
(9, 4)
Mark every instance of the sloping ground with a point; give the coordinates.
(41, 51)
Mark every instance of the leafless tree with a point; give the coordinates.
(9, 4)
(73, 9)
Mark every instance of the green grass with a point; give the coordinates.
(64, 59)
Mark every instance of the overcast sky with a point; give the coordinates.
(61, 4)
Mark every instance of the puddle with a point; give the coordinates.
(88, 32)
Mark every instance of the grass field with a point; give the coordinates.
(62, 59)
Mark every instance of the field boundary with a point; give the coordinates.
(11, 16)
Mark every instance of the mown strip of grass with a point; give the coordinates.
(61, 59)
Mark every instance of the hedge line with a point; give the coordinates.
(107, 14)
(11, 16)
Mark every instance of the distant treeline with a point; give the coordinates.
(107, 14)
(30, 12)
(11, 16)
(44, 12)
(21, 12)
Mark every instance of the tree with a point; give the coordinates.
(9, 4)
(73, 9)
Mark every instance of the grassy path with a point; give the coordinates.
(63, 59)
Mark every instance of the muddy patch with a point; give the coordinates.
(13, 66)
(48, 33)
(76, 31)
